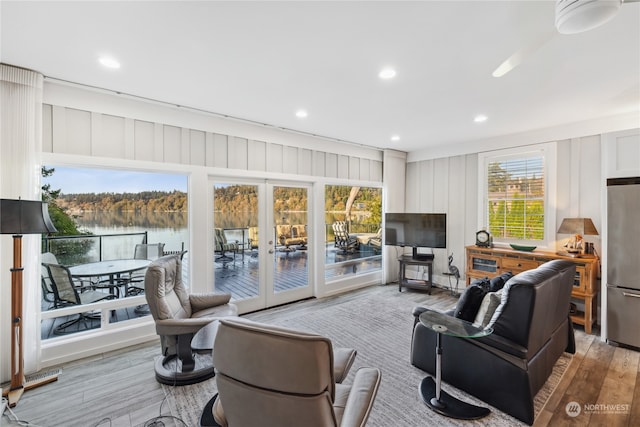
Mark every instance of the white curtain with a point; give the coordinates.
(20, 152)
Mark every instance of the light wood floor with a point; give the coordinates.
(119, 388)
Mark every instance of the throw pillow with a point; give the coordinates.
(490, 302)
(484, 283)
(504, 298)
(498, 282)
(469, 303)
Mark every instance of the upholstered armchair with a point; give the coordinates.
(275, 376)
(178, 316)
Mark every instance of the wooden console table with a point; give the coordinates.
(491, 262)
(403, 282)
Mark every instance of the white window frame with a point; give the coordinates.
(549, 153)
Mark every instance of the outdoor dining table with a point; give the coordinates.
(113, 269)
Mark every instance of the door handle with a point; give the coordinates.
(627, 294)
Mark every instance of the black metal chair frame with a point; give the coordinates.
(66, 294)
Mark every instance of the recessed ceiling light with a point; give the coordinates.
(301, 114)
(109, 62)
(480, 118)
(387, 73)
(395, 138)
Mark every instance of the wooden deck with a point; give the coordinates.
(240, 279)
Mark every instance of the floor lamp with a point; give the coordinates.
(20, 217)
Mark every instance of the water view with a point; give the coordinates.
(170, 228)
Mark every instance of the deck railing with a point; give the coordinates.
(80, 249)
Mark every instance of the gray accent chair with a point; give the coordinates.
(275, 376)
(178, 317)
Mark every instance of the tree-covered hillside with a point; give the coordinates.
(146, 201)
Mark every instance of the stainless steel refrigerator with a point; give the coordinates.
(623, 260)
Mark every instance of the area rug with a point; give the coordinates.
(380, 329)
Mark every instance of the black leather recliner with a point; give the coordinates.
(507, 368)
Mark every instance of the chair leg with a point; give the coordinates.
(60, 329)
(184, 352)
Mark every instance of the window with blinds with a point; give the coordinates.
(515, 190)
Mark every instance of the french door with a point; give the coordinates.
(262, 242)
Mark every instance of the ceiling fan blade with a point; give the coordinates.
(517, 58)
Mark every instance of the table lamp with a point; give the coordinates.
(578, 227)
(20, 217)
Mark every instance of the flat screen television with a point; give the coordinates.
(417, 230)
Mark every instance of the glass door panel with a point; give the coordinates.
(291, 253)
(261, 244)
(235, 225)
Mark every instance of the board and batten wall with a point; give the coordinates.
(88, 133)
(446, 185)
(450, 185)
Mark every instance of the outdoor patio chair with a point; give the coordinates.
(223, 246)
(135, 282)
(344, 242)
(66, 294)
(376, 241)
(252, 240)
(45, 280)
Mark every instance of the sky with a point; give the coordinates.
(73, 180)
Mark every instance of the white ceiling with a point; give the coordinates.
(261, 61)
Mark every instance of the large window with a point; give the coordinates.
(353, 221)
(516, 186)
(110, 223)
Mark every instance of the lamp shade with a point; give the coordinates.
(576, 16)
(25, 217)
(583, 226)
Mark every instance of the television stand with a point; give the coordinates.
(404, 282)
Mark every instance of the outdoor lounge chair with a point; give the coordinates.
(376, 241)
(292, 235)
(253, 241)
(223, 246)
(344, 242)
